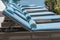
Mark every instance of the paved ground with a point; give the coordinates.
(33, 2)
(1, 18)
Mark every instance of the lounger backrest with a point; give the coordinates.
(13, 16)
(12, 3)
(31, 24)
(13, 12)
(19, 13)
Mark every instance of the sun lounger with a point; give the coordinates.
(35, 10)
(41, 14)
(47, 19)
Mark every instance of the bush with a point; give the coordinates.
(53, 5)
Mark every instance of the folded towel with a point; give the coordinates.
(24, 12)
(28, 17)
(10, 9)
(32, 24)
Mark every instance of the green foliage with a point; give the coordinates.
(53, 5)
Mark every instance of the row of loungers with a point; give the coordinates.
(36, 11)
(45, 16)
(29, 19)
